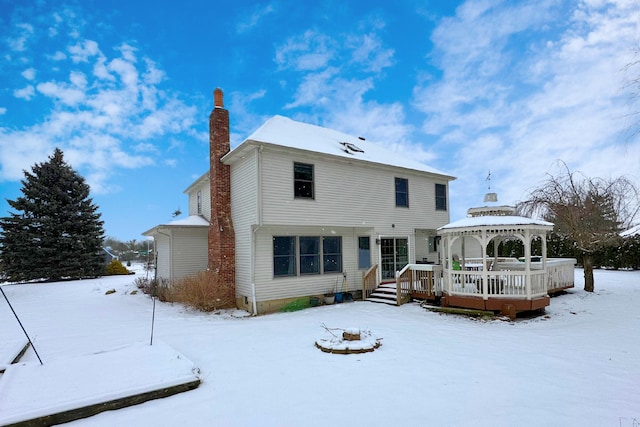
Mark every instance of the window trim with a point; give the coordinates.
(441, 198)
(326, 255)
(315, 255)
(295, 257)
(297, 180)
(321, 256)
(396, 181)
(360, 253)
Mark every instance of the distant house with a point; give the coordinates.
(299, 210)
(108, 255)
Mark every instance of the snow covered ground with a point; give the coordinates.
(578, 365)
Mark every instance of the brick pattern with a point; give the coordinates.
(222, 248)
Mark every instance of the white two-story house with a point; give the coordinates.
(312, 209)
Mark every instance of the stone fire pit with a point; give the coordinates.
(347, 341)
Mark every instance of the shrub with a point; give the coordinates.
(201, 291)
(116, 267)
(154, 287)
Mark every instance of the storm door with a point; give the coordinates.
(394, 255)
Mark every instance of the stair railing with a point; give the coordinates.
(369, 281)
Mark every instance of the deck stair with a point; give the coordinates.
(385, 293)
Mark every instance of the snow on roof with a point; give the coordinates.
(286, 132)
(490, 220)
(191, 220)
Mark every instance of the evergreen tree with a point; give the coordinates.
(55, 232)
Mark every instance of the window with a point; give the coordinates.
(284, 256)
(303, 180)
(364, 252)
(309, 255)
(291, 251)
(402, 192)
(441, 197)
(332, 254)
(199, 202)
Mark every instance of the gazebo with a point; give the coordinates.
(472, 278)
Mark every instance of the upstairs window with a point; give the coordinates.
(441, 197)
(402, 192)
(303, 180)
(199, 202)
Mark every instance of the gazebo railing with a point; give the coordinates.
(502, 283)
(508, 280)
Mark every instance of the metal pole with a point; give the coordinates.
(20, 323)
(153, 318)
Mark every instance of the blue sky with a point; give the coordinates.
(124, 88)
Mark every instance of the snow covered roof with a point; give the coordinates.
(492, 221)
(285, 132)
(190, 221)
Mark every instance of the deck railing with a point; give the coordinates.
(561, 273)
(369, 281)
(507, 279)
(423, 280)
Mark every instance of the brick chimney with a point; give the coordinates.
(222, 246)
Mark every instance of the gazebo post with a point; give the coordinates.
(527, 261)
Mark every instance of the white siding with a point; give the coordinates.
(204, 187)
(190, 251)
(352, 199)
(271, 288)
(163, 261)
(349, 195)
(244, 205)
(181, 251)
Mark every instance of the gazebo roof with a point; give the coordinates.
(510, 222)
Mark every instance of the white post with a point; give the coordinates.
(527, 262)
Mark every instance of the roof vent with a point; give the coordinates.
(351, 148)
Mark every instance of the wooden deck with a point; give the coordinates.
(508, 288)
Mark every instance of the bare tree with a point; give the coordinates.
(591, 212)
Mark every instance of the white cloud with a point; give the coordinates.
(307, 52)
(62, 92)
(3, 110)
(516, 97)
(83, 50)
(19, 42)
(59, 56)
(29, 74)
(107, 112)
(248, 23)
(26, 92)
